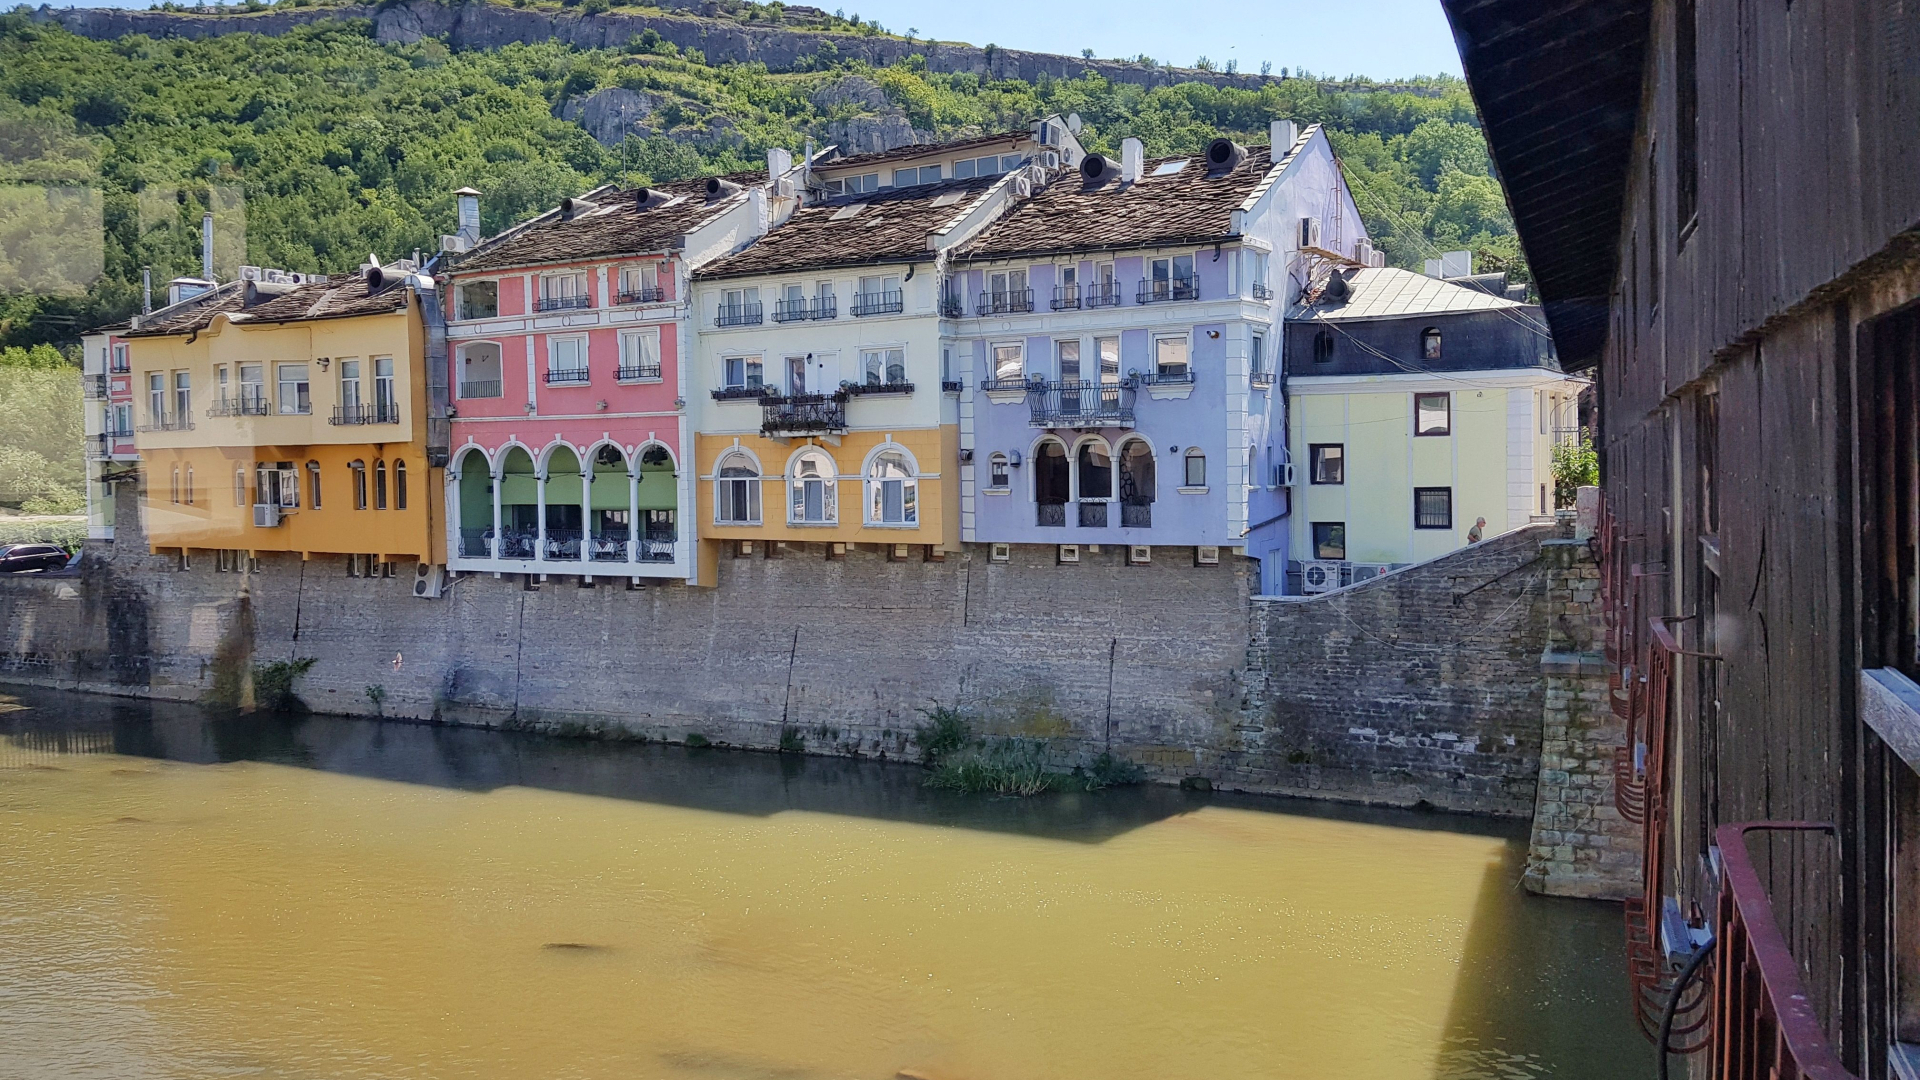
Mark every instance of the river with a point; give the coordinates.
(188, 896)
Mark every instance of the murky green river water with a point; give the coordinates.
(190, 897)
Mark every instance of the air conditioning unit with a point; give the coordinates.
(1283, 474)
(453, 244)
(266, 515)
(1139, 554)
(428, 580)
(1319, 575)
(1020, 187)
(1069, 553)
(1367, 571)
(1001, 553)
(1309, 232)
(1206, 555)
(1049, 159)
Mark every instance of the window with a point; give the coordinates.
(1430, 343)
(156, 398)
(239, 485)
(383, 390)
(253, 387)
(743, 372)
(879, 295)
(1007, 292)
(1329, 461)
(1432, 414)
(991, 165)
(480, 370)
(1261, 290)
(173, 485)
(1108, 350)
(123, 419)
(120, 358)
(313, 484)
(926, 174)
(892, 491)
(350, 385)
(736, 496)
(189, 486)
(1170, 359)
(639, 284)
(1323, 347)
(1329, 539)
(854, 185)
(1171, 279)
(1095, 471)
(997, 471)
(1169, 168)
(1066, 356)
(559, 292)
(1257, 355)
(479, 300)
(182, 395)
(1196, 460)
(811, 490)
(567, 357)
(399, 485)
(1009, 362)
(639, 355)
(224, 392)
(1432, 508)
(883, 366)
(1104, 290)
(294, 390)
(379, 485)
(738, 307)
(359, 470)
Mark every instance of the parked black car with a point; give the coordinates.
(20, 558)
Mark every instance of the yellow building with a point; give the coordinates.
(291, 417)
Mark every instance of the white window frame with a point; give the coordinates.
(635, 348)
(569, 285)
(750, 487)
(993, 357)
(879, 354)
(460, 305)
(829, 482)
(999, 473)
(554, 341)
(749, 363)
(873, 505)
(287, 391)
(1185, 338)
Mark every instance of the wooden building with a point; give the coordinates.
(1721, 202)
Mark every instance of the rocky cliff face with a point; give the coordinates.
(476, 24)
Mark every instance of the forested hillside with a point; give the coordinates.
(323, 145)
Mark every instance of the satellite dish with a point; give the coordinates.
(1074, 123)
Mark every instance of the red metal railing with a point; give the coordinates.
(1764, 1027)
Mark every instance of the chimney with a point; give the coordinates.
(1133, 156)
(1282, 134)
(468, 201)
(779, 162)
(146, 290)
(206, 245)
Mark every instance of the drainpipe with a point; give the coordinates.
(586, 516)
(499, 481)
(540, 523)
(433, 319)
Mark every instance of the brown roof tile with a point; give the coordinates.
(615, 227)
(1069, 214)
(890, 226)
(339, 297)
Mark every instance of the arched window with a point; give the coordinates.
(399, 484)
(239, 485)
(1051, 483)
(997, 471)
(893, 494)
(1136, 484)
(1430, 343)
(359, 469)
(173, 489)
(313, 483)
(189, 485)
(1196, 468)
(736, 495)
(1323, 347)
(1095, 469)
(810, 490)
(379, 485)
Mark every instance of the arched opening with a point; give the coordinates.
(379, 484)
(1323, 347)
(359, 470)
(1430, 343)
(1093, 464)
(1051, 483)
(810, 489)
(736, 494)
(657, 500)
(399, 484)
(997, 471)
(561, 511)
(475, 505)
(611, 524)
(519, 496)
(189, 485)
(893, 493)
(1137, 484)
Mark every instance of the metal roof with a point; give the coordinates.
(1392, 293)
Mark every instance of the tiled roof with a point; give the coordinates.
(887, 226)
(338, 297)
(616, 226)
(1390, 293)
(914, 150)
(1070, 214)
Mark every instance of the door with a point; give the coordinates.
(823, 373)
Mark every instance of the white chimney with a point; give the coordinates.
(1133, 158)
(1456, 264)
(206, 245)
(779, 162)
(1282, 133)
(468, 202)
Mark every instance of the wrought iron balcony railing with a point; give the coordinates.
(563, 303)
(792, 310)
(1081, 404)
(647, 294)
(804, 414)
(480, 388)
(1261, 380)
(638, 373)
(95, 387)
(172, 421)
(1154, 292)
(874, 388)
(1010, 302)
(951, 386)
(952, 307)
(825, 307)
(879, 303)
(1261, 291)
(1172, 377)
(1136, 515)
(244, 405)
(376, 412)
(1050, 515)
(754, 391)
(1093, 515)
(568, 377)
(1102, 294)
(737, 315)
(1066, 297)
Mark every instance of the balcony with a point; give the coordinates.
(952, 307)
(1102, 294)
(247, 404)
(825, 307)
(877, 388)
(480, 388)
(1169, 377)
(1261, 291)
(752, 392)
(1066, 298)
(100, 446)
(737, 315)
(1093, 515)
(94, 387)
(651, 294)
(1156, 292)
(879, 303)
(1261, 380)
(173, 421)
(1011, 302)
(567, 377)
(804, 414)
(378, 412)
(1081, 405)
(640, 373)
(951, 386)
(785, 311)
(1050, 515)
(563, 303)
(1764, 1024)
(1136, 515)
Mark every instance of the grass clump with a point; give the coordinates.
(1015, 767)
(1108, 771)
(273, 684)
(792, 741)
(945, 732)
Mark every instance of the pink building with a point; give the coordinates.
(566, 335)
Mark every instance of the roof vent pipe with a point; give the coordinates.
(1283, 134)
(1097, 169)
(1224, 155)
(573, 208)
(1133, 158)
(719, 189)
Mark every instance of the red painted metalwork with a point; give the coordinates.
(1646, 958)
(1764, 1027)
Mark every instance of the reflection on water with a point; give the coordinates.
(185, 896)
